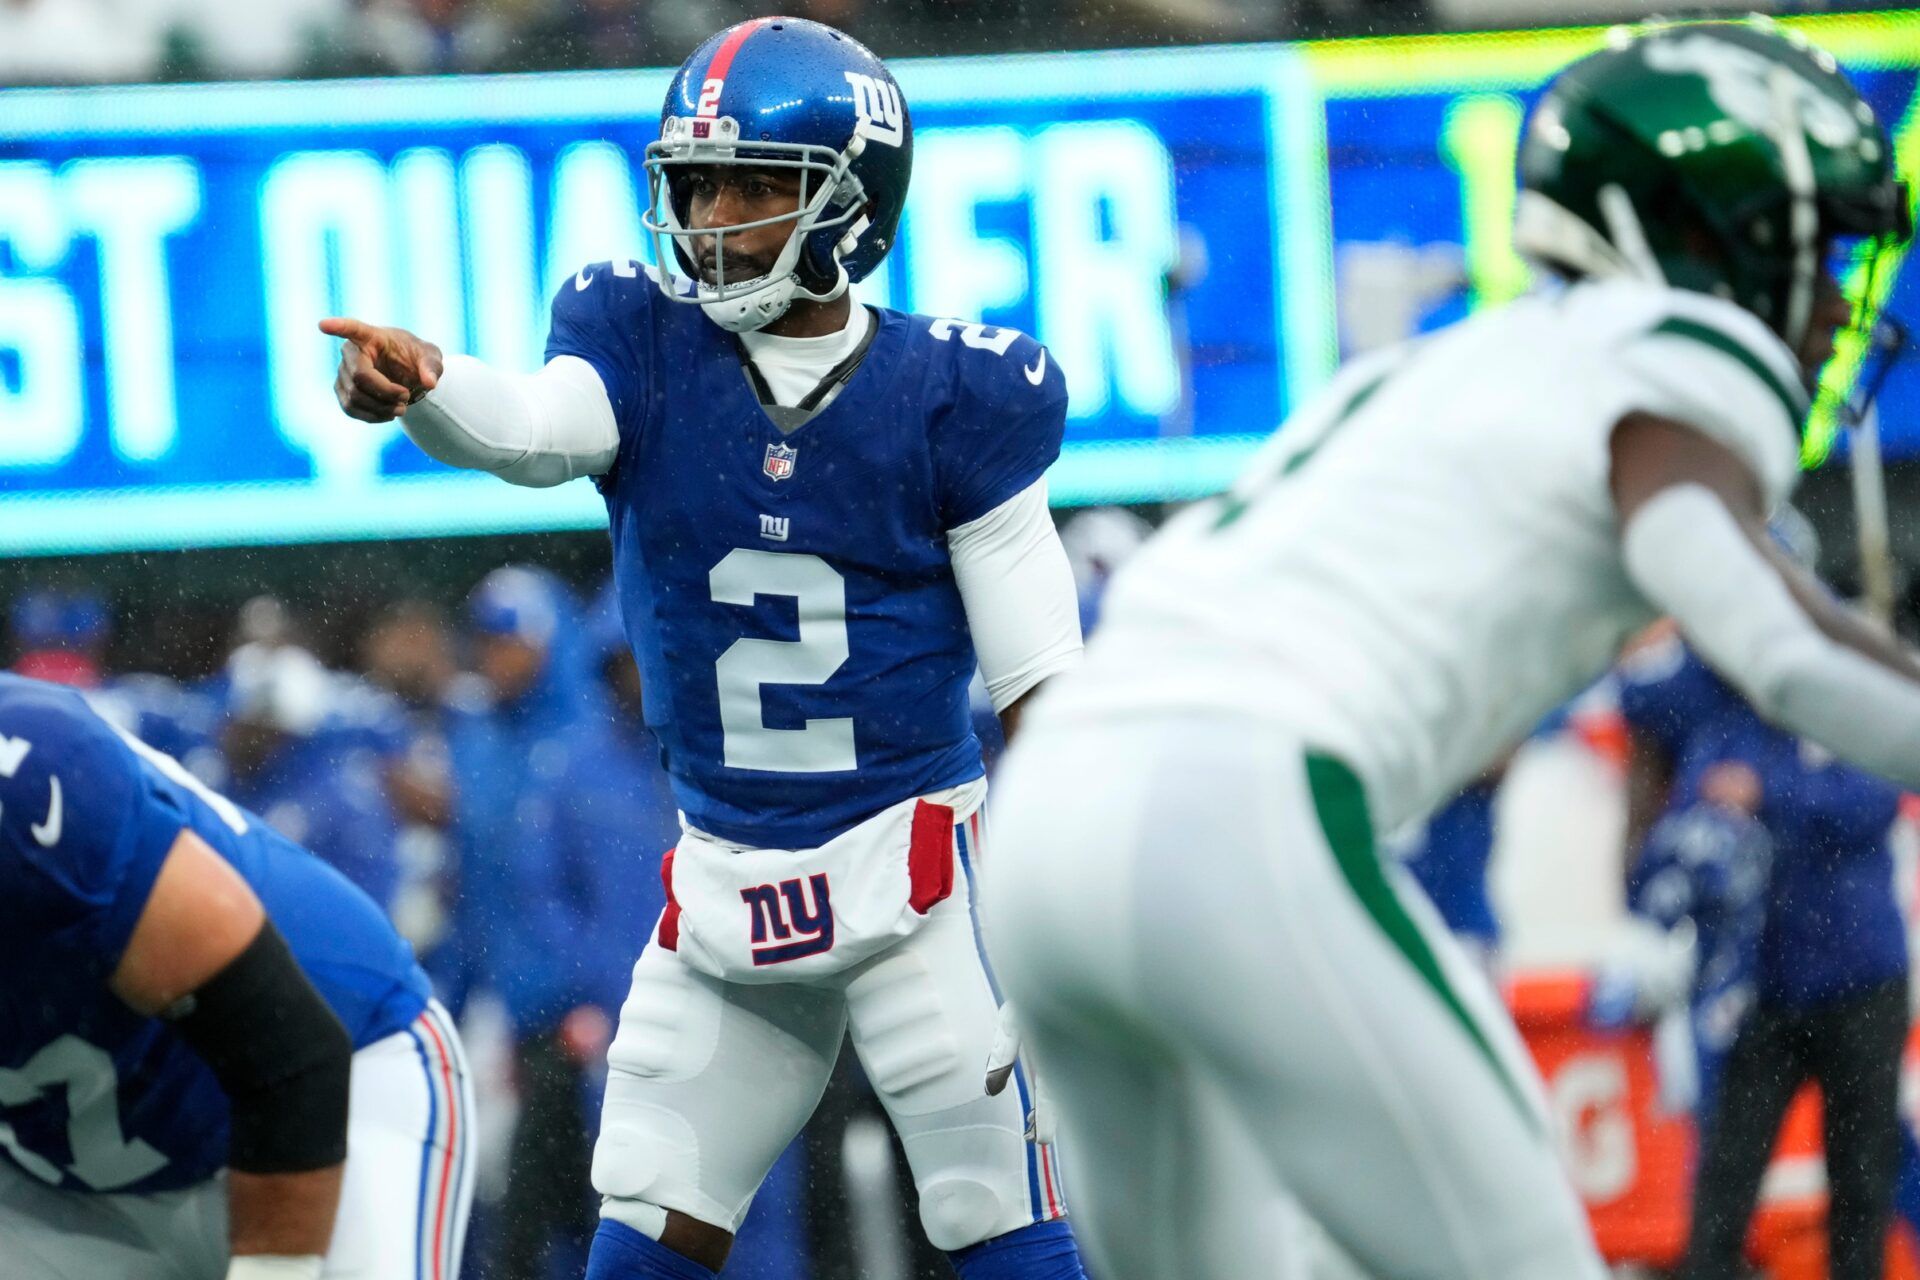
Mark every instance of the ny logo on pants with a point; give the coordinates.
(784, 927)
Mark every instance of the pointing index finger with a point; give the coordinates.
(355, 331)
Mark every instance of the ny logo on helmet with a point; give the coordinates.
(877, 103)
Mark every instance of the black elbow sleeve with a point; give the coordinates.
(280, 1054)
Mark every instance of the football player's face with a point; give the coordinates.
(724, 196)
(509, 664)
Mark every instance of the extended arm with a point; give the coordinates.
(1021, 604)
(1694, 542)
(205, 956)
(537, 429)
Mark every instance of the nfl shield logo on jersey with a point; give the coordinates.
(779, 463)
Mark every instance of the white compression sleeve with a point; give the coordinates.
(535, 429)
(1018, 590)
(1688, 555)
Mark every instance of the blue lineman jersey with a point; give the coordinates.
(789, 597)
(94, 1096)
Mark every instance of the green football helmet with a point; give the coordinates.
(1723, 157)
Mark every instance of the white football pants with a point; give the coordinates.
(1234, 1003)
(708, 1081)
(403, 1201)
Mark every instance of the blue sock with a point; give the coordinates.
(1043, 1251)
(621, 1253)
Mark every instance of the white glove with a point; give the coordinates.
(274, 1266)
(1006, 1051)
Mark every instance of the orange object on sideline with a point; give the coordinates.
(1633, 1164)
(1630, 1163)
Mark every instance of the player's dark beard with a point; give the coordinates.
(741, 267)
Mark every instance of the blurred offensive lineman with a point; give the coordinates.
(821, 514)
(186, 992)
(1227, 990)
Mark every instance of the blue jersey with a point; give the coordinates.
(789, 597)
(1832, 926)
(1450, 863)
(94, 1096)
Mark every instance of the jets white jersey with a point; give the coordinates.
(1425, 560)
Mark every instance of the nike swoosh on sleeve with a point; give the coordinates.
(47, 834)
(582, 280)
(1037, 371)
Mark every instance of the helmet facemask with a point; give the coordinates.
(1867, 265)
(826, 223)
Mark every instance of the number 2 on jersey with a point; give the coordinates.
(820, 594)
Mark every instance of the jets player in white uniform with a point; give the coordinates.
(1230, 995)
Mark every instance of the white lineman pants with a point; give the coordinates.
(1235, 1004)
(708, 1081)
(403, 1201)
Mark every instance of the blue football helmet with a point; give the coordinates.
(782, 93)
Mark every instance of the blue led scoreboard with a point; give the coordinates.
(1198, 235)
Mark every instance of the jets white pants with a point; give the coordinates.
(708, 1081)
(403, 1201)
(1236, 1007)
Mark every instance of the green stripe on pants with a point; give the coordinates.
(1340, 802)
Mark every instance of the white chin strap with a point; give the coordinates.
(755, 309)
(759, 307)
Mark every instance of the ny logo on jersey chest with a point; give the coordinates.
(779, 461)
(782, 926)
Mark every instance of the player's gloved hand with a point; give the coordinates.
(1005, 1052)
(267, 1266)
(382, 369)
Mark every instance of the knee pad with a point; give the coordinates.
(704, 1090)
(957, 1212)
(639, 1145)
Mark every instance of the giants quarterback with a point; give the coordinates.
(824, 516)
(1219, 972)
